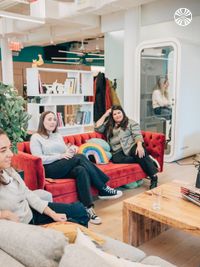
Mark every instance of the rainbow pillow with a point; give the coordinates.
(95, 150)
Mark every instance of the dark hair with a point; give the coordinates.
(2, 181)
(111, 123)
(41, 129)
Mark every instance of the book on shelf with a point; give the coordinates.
(60, 119)
(41, 91)
(70, 112)
(83, 117)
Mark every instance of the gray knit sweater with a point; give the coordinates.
(17, 198)
(49, 149)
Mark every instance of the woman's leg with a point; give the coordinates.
(60, 168)
(145, 162)
(75, 213)
(83, 185)
(97, 178)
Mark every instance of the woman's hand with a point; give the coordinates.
(9, 215)
(59, 217)
(67, 155)
(139, 150)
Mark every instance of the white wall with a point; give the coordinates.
(114, 59)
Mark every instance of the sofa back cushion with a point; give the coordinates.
(31, 245)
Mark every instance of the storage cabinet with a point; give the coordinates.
(65, 97)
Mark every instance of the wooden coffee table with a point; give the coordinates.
(141, 223)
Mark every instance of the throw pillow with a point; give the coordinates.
(31, 245)
(113, 261)
(76, 255)
(100, 142)
(90, 149)
(70, 231)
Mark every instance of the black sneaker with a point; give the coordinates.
(154, 182)
(93, 217)
(109, 193)
(155, 162)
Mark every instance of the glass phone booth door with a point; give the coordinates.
(157, 90)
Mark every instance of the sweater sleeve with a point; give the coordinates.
(100, 129)
(35, 202)
(36, 150)
(136, 132)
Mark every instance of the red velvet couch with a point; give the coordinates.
(64, 190)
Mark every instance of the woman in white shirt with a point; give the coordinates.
(18, 203)
(160, 99)
(61, 160)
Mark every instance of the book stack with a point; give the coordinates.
(191, 193)
(83, 117)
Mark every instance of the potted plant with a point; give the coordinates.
(13, 116)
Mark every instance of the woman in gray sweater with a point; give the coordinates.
(126, 141)
(18, 203)
(61, 160)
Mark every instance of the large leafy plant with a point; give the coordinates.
(13, 116)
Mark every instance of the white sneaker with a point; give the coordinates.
(93, 217)
(109, 193)
(155, 162)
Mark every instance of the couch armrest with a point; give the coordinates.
(155, 145)
(34, 176)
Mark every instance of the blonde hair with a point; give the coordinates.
(161, 80)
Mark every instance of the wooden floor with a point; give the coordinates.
(180, 248)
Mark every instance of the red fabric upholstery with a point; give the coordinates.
(64, 190)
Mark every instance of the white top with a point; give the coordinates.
(17, 198)
(159, 100)
(48, 148)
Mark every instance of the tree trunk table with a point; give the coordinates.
(141, 222)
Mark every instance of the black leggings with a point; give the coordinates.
(75, 213)
(146, 163)
(81, 169)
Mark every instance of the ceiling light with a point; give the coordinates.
(10, 15)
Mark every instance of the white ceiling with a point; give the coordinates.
(65, 20)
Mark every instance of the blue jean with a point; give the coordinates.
(83, 171)
(75, 212)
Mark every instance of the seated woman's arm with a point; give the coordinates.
(100, 124)
(8, 215)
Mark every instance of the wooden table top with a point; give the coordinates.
(175, 211)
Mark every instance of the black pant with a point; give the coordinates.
(75, 213)
(81, 169)
(146, 163)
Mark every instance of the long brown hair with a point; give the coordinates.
(2, 181)
(41, 129)
(111, 123)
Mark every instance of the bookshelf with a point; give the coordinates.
(65, 96)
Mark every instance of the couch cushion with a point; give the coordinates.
(31, 245)
(95, 150)
(7, 261)
(76, 255)
(121, 249)
(153, 260)
(100, 142)
(111, 259)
